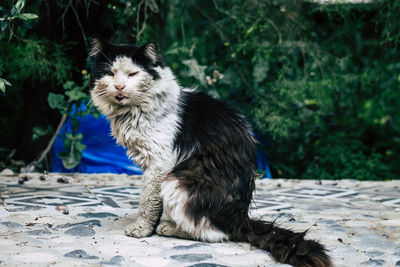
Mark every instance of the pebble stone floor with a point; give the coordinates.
(358, 222)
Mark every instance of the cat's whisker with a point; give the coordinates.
(90, 105)
(101, 52)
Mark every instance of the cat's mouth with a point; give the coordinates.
(120, 97)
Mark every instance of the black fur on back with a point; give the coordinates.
(109, 52)
(219, 178)
(219, 174)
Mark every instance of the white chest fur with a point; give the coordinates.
(149, 140)
(148, 131)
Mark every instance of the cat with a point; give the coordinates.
(196, 152)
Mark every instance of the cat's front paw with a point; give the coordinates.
(139, 229)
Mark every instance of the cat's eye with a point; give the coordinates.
(131, 74)
(109, 72)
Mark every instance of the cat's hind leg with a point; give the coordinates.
(175, 200)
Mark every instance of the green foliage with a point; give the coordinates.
(319, 82)
(70, 104)
(38, 132)
(195, 70)
(42, 60)
(7, 21)
(351, 159)
(71, 157)
(14, 17)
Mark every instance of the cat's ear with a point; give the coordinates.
(150, 50)
(96, 46)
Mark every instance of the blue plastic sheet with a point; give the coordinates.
(104, 155)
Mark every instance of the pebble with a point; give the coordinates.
(62, 180)
(191, 257)
(177, 242)
(368, 216)
(39, 232)
(12, 225)
(117, 260)
(7, 172)
(80, 231)
(374, 254)
(23, 179)
(80, 254)
(373, 263)
(86, 223)
(190, 246)
(327, 221)
(61, 208)
(97, 215)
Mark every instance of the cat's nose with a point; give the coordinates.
(119, 87)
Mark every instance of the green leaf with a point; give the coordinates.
(19, 6)
(260, 71)
(250, 30)
(57, 101)
(175, 49)
(72, 154)
(39, 132)
(3, 25)
(195, 70)
(309, 102)
(69, 85)
(70, 159)
(3, 83)
(75, 95)
(231, 77)
(27, 16)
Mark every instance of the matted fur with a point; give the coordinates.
(197, 154)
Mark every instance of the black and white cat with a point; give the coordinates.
(197, 154)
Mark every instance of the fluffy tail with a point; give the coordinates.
(284, 245)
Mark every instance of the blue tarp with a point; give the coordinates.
(104, 155)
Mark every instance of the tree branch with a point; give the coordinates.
(32, 166)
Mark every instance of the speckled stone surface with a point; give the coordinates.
(45, 223)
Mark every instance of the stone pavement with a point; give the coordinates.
(45, 222)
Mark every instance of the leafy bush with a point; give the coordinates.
(319, 82)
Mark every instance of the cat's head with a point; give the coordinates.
(123, 75)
